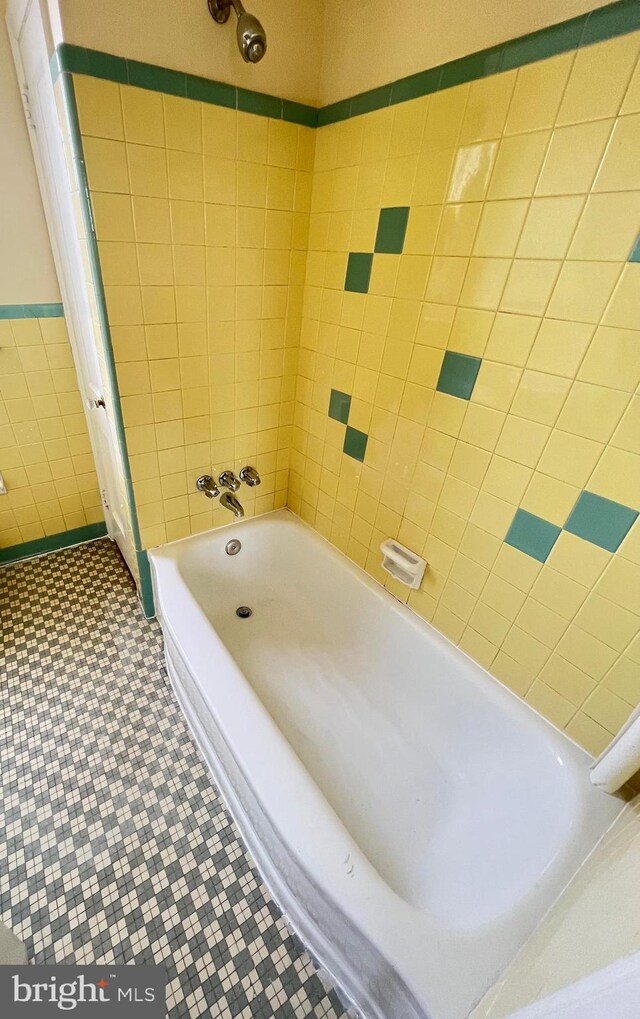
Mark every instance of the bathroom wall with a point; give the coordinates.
(201, 215)
(27, 273)
(593, 923)
(45, 456)
(470, 361)
(367, 43)
(183, 36)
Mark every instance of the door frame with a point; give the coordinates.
(50, 162)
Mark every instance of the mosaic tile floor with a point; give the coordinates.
(114, 843)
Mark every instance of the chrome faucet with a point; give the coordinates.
(229, 501)
(250, 476)
(207, 485)
(228, 480)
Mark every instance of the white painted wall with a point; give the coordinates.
(27, 273)
(593, 923)
(182, 35)
(369, 42)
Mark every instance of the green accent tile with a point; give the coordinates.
(355, 443)
(416, 85)
(259, 103)
(476, 65)
(334, 112)
(339, 406)
(374, 99)
(72, 58)
(299, 113)
(392, 227)
(358, 271)
(635, 251)
(217, 93)
(106, 65)
(546, 43)
(157, 79)
(532, 535)
(145, 594)
(31, 311)
(52, 542)
(458, 374)
(612, 20)
(600, 521)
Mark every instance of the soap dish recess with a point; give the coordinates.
(403, 564)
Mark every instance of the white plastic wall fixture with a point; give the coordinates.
(402, 564)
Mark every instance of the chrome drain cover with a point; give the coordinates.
(244, 612)
(232, 547)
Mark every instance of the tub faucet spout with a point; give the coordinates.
(229, 501)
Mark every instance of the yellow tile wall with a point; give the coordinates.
(45, 455)
(201, 214)
(524, 196)
(525, 202)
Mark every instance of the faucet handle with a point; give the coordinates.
(228, 480)
(250, 476)
(207, 485)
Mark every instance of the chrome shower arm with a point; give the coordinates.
(220, 9)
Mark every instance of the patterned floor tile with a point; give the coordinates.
(115, 845)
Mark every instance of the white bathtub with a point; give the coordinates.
(412, 817)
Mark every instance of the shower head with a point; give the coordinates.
(252, 38)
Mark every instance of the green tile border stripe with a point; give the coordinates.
(595, 26)
(31, 311)
(78, 60)
(69, 96)
(52, 542)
